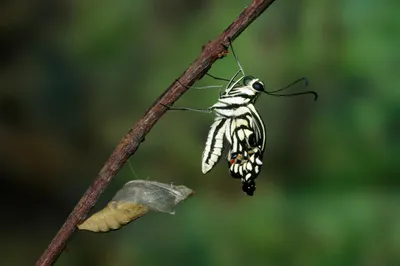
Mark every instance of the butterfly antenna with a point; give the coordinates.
(303, 79)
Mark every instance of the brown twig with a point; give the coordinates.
(131, 141)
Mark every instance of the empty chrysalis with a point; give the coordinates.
(134, 200)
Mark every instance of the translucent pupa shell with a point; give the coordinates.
(134, 200)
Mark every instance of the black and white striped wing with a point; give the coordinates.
(259, 127)
(248, 137)
(245, 156)
(246, 131)
(214, 144)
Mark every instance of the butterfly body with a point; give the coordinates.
(238, 122)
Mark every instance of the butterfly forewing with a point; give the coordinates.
(214, 144)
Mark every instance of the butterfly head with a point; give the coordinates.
(253, 83)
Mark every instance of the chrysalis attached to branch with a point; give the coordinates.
(134, 200)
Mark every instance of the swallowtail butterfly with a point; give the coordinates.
(239, 123)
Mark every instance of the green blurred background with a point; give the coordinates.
(75, 75)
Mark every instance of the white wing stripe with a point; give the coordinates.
(214, 144)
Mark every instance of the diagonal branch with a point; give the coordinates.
(212, 51)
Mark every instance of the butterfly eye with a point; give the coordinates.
(258, 86)
(247, 79)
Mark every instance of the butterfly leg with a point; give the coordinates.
(207, 111)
